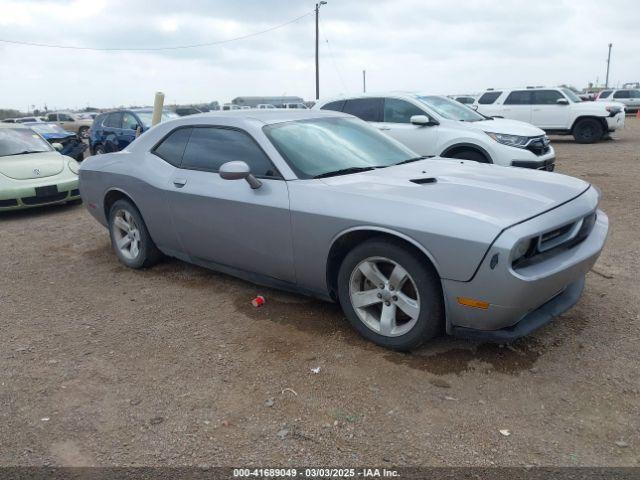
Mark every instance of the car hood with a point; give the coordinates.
(508, 127)
(500, 196)
(32, 165)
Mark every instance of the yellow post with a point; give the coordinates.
(158, 103)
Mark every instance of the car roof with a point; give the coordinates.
(393, 93)
(269, 116)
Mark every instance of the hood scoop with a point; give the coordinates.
(422, 181)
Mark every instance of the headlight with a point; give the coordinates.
(613, 110)
(511, 140)
(73, 166)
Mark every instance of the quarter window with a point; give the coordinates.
(519, 97)
(399, 111)
(367, 109)
(488, 98)
(546, 97)
(172, 147)
(209, 148)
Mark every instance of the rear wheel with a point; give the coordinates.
(390, 295)
(588, 130)
(129, 236)
(469, 155)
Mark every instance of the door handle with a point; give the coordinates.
(179, 182)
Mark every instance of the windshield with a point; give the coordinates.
(571, 95)
(451, 109)
(145, 117)
(14, 141)
(320, 146)
(44, 128)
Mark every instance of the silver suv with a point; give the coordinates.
(629, 97)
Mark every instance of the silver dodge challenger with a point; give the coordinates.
(322, 204)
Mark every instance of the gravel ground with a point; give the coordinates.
(101, 365)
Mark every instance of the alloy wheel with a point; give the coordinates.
(126, 234)
(384, 296)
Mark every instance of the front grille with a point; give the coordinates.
(557, 240)
(42, 199)
(75, 192)
(539, 145)
(8, 203)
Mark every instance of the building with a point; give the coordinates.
(275, 101)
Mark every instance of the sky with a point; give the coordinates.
(440, 47)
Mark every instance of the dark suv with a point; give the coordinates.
(113, 131)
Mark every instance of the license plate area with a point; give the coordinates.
(47, 191)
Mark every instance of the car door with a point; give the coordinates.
(546, 112)
(517, 106)
(226, 223)
(397, 124)
(67, 122)
(110, 131)
(622, 96)
(127, 133)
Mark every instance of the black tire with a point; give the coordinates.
(98, 150)
(468, 154)
(83, 133)
(148, 254)
(430, 320)
(588, 130)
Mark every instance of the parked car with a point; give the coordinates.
(32, 172)
(295, 106)
(629, 97)
(72, 144)
(28, 119)
(9, 120)
(71, 122)
(434, 125)
(113, 131)
(555, 110)
(230, 106)
(262, 106)
(323, 204)
(184, 111)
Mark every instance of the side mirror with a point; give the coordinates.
(57, 146)
(422, 121)
(239, 170)
(562, 101)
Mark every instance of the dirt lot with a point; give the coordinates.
(101, 365)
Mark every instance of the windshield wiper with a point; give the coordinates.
(25, 152)
(345, 171)
(410, 160)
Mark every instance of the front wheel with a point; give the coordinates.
(130, 238)
(588, 131)
(390, 294)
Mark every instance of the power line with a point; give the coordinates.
(154, 49)
(335, 65)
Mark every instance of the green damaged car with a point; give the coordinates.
(32, 172)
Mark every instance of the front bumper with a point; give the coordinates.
(526, 159)
(38, 194)
(616, 122)
(513, 296)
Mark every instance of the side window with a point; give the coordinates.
(114, 120)
(210, 147)
(519, 97)
(336, 106)
(129, 122)
(399, 111)
(63, 117)
(634, 94)
(52, 117)
(605, 94)
(546, 97)
(172, 147)
(367, 109)
(621, 94)
(488, 98)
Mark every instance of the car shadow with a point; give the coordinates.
(35, 212)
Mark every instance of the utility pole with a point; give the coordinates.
(317, 59)
(364, 81)
(606, 83)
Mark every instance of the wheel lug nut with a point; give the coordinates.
(381, 286)
(391, 287)
(387, 303)
(379, 295)
(395, 299)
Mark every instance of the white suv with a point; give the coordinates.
(556, 110)
(629, 97)
(434, 125)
